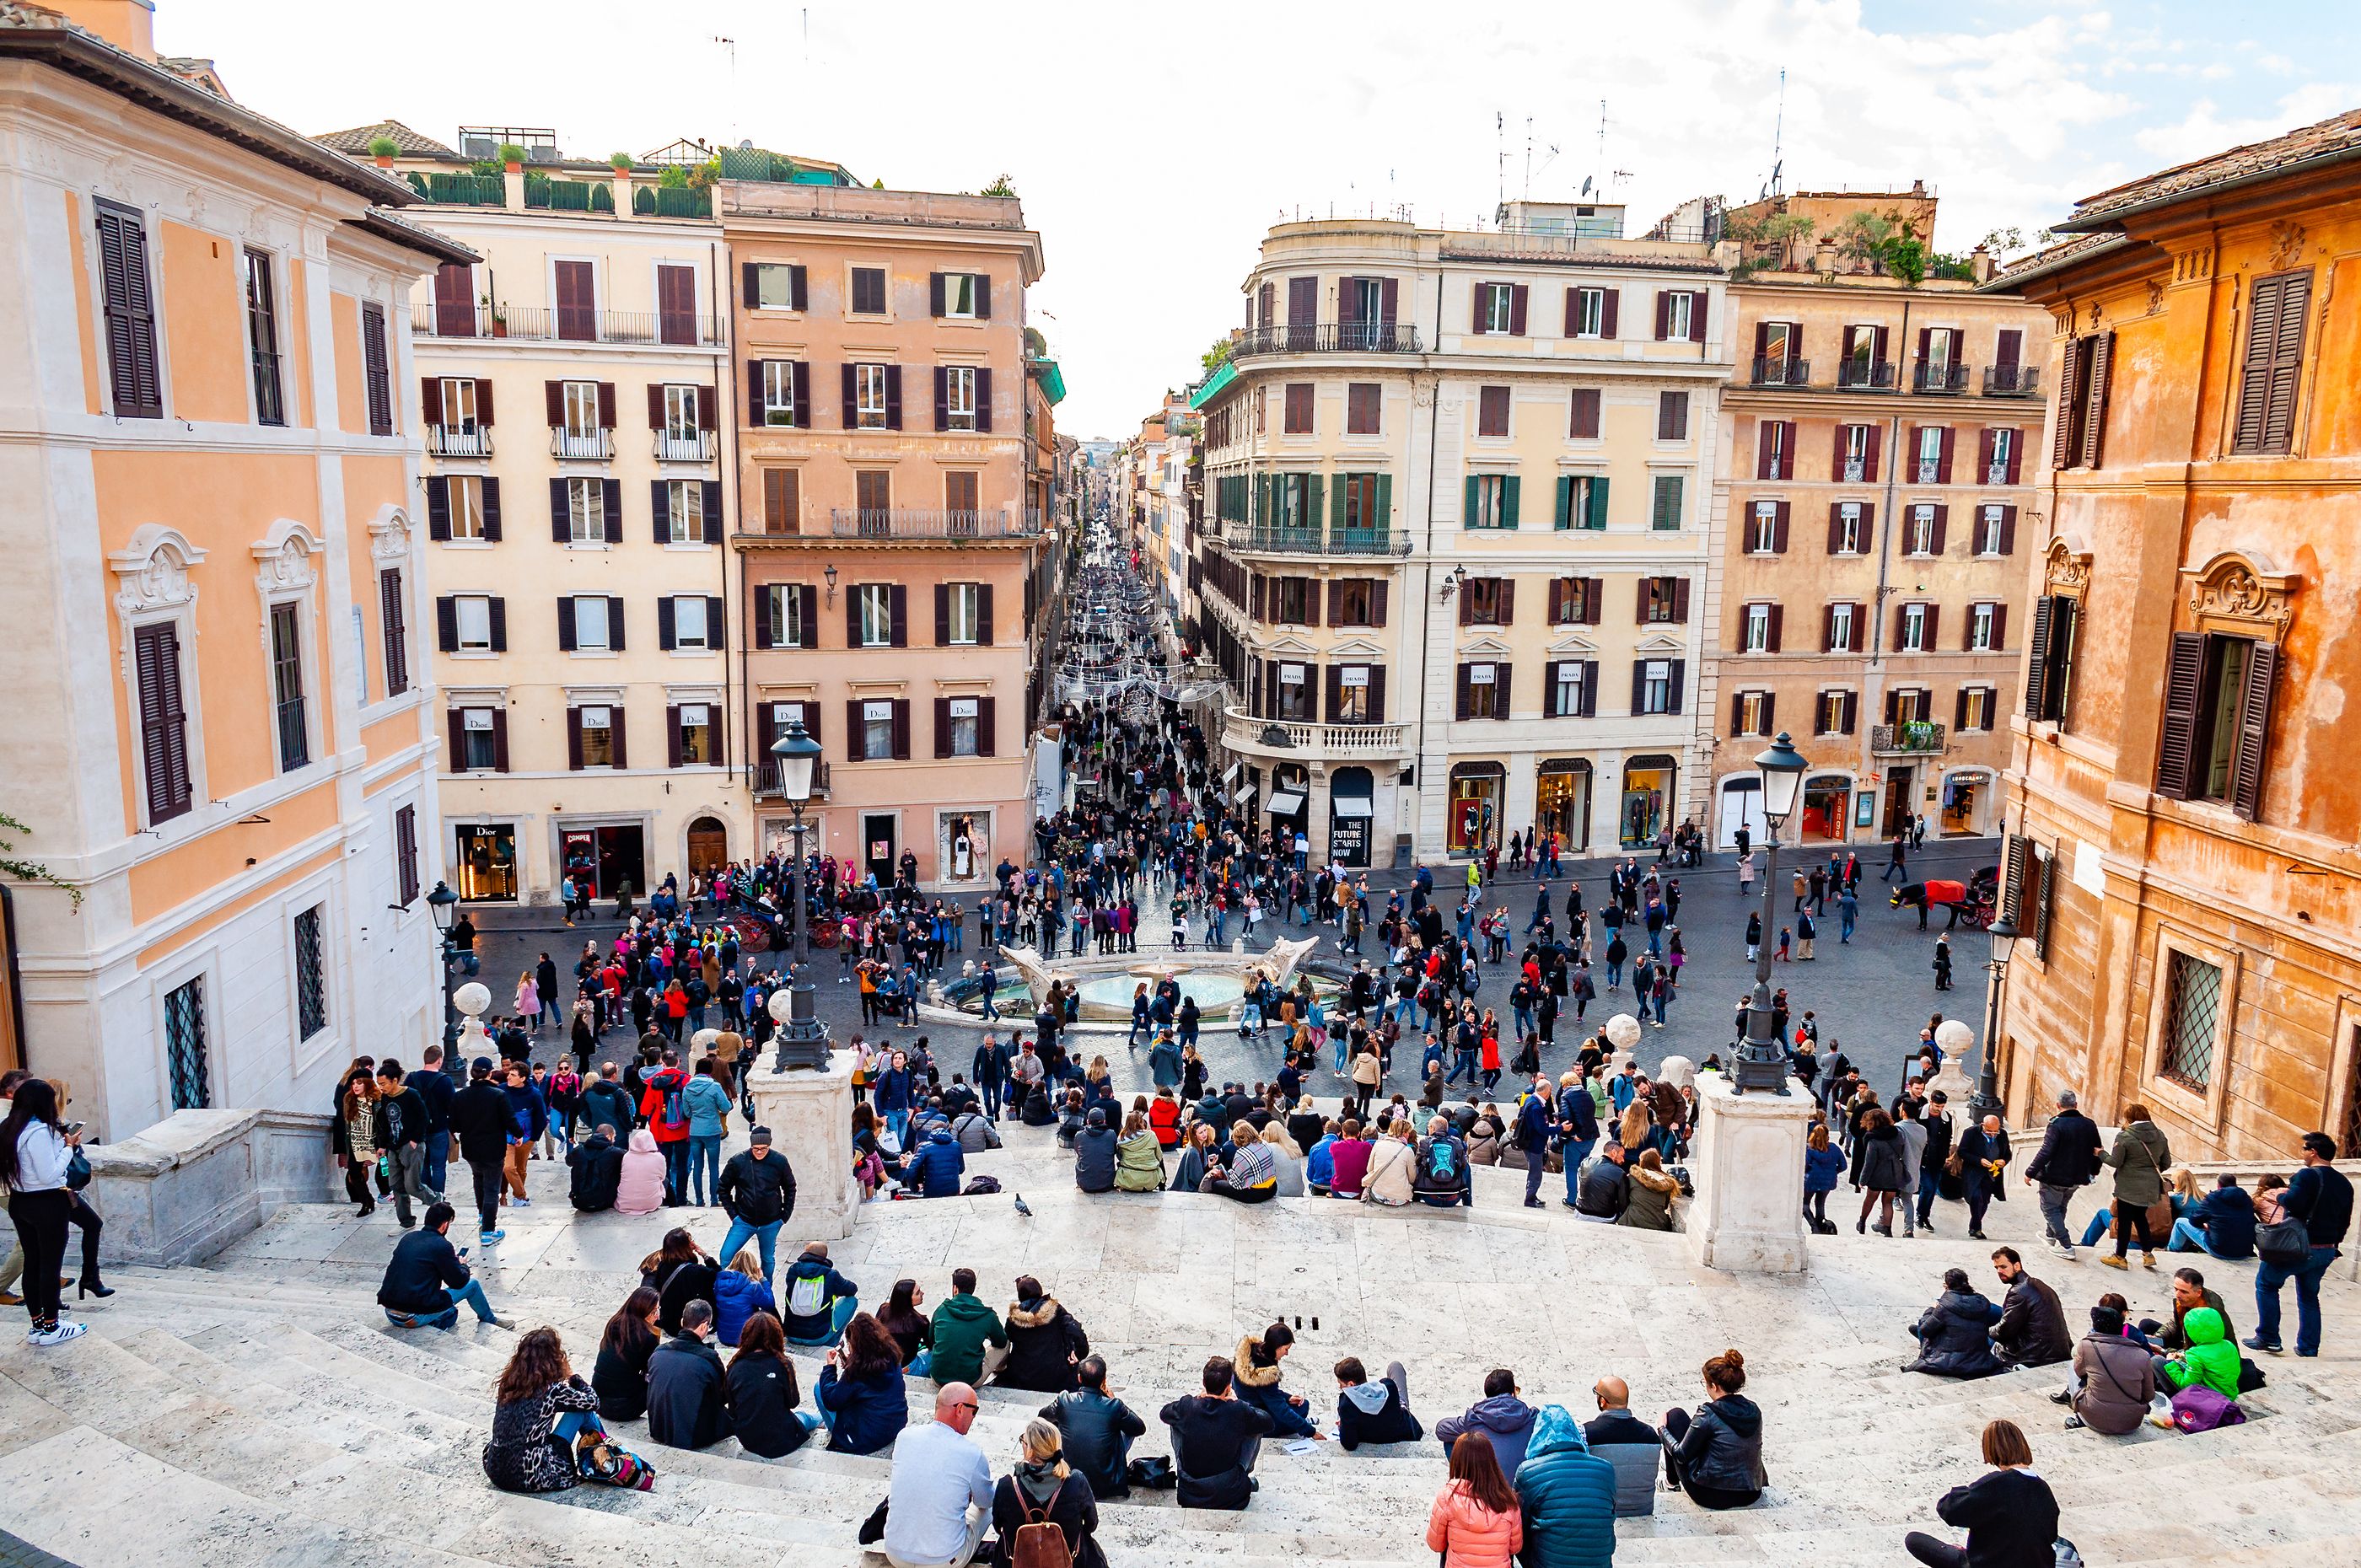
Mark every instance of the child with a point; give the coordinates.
(1180, 924)
(1786, 936)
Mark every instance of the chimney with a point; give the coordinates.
(1918, 187)
(128, 24)
(1980, 264)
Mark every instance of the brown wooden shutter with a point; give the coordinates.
(1762, 345)
(1869, 467)
(1680, 600)
(1960, 710)
(1779, 529)
(2000, 628)
(2184, 674)
(1664, 325)
(900, 595)
(892, 397)
(855, 732)
(1639, 599)
(1476, 323)
(767, 626)
(1696, 315)
(851, 404)
(1943, 522)
(438, 507)
(1465, 692)
(611, 499)
(1377, 603)
(2062, 446)
(1765, 443)
(1573, 311)
(621, 732)
(1594, 599)
(1778, 625)
(2036, 660)
(1985, 440)
(655, 405)
(455, 727)
(1517, 309)
(1638, 686)
(1943, 456)
(430, 399)
(2008, 531)
(163, 720)
(1828, 628)
(901, 730)
(672, 735)
(935, 307)
(566, 624)
(1608, 313)
(750, 283)
(2253, 726)
(852, 616)
(811, 619)
(1852, 712)
(1466, 606)
(1376, 694)
(1557, 599)
(942, 704)
(1335, 697)
(1836, 528)
(377, 372)
(983, 614)
(987, 709)
(606, 405)
(483, 402)
(1894, 705)
(574, 738)
(1508, 601)
(1933, 627)
(1678, 695)
(2095, 408)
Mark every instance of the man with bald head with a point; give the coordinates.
(941, 1497)
(1627, 1442)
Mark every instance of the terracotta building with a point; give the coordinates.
(221, 708)
(1875, 474)
(886, 552)
(2185, 803)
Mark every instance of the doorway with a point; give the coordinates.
(1828, 799)
(708, 846)
(614, 859)
(878, 845)
(1561, 802)
(1742, 807)
(1962, 796)
(1900, 801)
(1474, 825)
(1647, 796)
(1350, 794)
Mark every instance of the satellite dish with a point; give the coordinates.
(1585, 185)
(746, 144)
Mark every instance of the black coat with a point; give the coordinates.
(622, 1383)
(1208, 1438)
(424, 1269)
(2032, 1330)
(1951, 1338)
(1094, 1159)
(597, 1166)
(762, 1398)
(1095, 1427)
(480, 1124)
(2070, 1155)
(1044, 1343)
(1072, 1509)
(1878, 1161)
(759, 1191)
(688, 1395)
(676, 1286)
(2010, 1519)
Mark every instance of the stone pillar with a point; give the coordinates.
(1958, 1040)
(811, 1116)
(1748, 1162)
(470, 1001)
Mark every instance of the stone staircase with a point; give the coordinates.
(259, 1410)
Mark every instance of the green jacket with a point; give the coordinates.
(963, 1326)
(2211, 1359)
(1140, 1164)
(2140, 1158)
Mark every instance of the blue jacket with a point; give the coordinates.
(1533, 1122)
(1822, 1168)
(737, 1298)
(528, 1112)
(934, 1171)
(1319, 1164)
(892, 1089)
(2227, 1217)
(1259, 1386)
(870, 1411)
(707, 1104)
(1567, 1494)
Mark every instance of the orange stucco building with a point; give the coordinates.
(2185, 808)
(219, 736)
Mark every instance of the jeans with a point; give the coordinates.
(438, 1162)
(2187, 1238)
(991, 1092)
(2054, 1198)
(1614, 976)
(1929, 1177)
(741, 1232)
(1573, 1154)
(486, 1177)
(1535, 1162)
(675, 1155)
(1461, 1061)
(2306, 1275)
(705, 1166)
(1844, 927)
(2097, 1227)
(843, 1310)
(898, 1123)
(470, 1294)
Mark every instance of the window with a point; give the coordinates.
(694, 725)
(684, 511)
(592, 631)
(1678, 310)
(597, 726)
(1843, 628)
(1484, 600)
(1996, 530)
(1589, 316)
(393, 624)
(2049, 664)
(1489, 493)
(1755, 633)
(134, 373)
(1296, 418)
(870, 411)
(472, 616)
(1775, 444)
(1576, 599)
(580, 408)
(1492, 410)
(961, 491)
(1582, 501)
(775, 286)
(1352, 706)
(1845, 531)
(877, 732)
(1763, 529)
(1664, 601)
(458, 410)
(586, 512)
(2000, 462)
(2192, 1015)
(781, 611)
(1914, 638)
(2083, 373)
(287, 687)
(1582, 423)
(1924, 540)
(1292, 600)
(1658, 689)
(681, 423)
(1976, 708)
(185, 1046)
(1856, 454)
(1776, 343)
(1672, 416)
(959, 295)
(959, 397)
(1366, 502)
(1664, 512)
(163, 721)
(1941, 350)
(1363, 400)
(311, 975)
(2273, 370)
(1932, 440)
(1485, 694)
(1565, 694)
(873, 495)
(868, 290)
(875, 602)
(780, 404)
(1832, 714)
(963, 608)
(1291, 692)
(1351, 602)
(262, 338)
(1495, 307)
(959, 727)
(1983, 627)
(377, 374)
(405, 853)
(782, 500)
(691, 630)
(479, 749)
(1909, 704)
(1751, 713)
(2215, 735)
(1261, 408)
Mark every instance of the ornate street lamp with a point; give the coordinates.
(444, 906)
(1986, 1101)
(803, 1040)
(1762, 1057)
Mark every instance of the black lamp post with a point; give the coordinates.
(1986, 1100)
(444, 906)
(803, 1040)
(1761, 1057)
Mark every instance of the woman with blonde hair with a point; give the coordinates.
(1041, 1489)
(528, 1000)
(1392, 1163)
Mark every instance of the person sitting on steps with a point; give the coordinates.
(1716, 1456)
(426, 1280)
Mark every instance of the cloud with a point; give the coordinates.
(2204, 130)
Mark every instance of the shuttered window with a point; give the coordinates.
(405, 853)
(2274, 362)
(134, 375)
(782, 500)
(393, 620)
(262, 338)
(2216, 732)
(376, 375)
(163, 721)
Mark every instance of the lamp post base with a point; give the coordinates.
(810, 1117)
(1748, 1161)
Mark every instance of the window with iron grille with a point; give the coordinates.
(287, 687)
(311, 975)
(262, 338)
(2193, 1011)
(185, 1046)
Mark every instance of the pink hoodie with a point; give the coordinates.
(642, 1189)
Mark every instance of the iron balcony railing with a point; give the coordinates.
(1315, 540)
(1940, 379)
(443, 441)
(928, 522)
(1865, 374)
(2012, 380)
(695, 446)
(1918, 738)
(532, 324)
(1782, 373)
(1326, 337)
(587, 443)
(767, 778)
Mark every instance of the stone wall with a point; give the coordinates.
(197, 1180)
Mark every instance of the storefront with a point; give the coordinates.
(962, 848)
(1561, 802)
(1474, 815)
(1647, 800)
(1351, 810)
(1828, 802)
(1964, 794)
(612, 855)
(881, 836)
(483, 861)
(1742, 807)
(1900, 801)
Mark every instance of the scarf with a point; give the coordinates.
(1039, 1482)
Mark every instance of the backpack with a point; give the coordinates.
(808, 1295)
(1442, 1161)
(675, 1107)
(978, 1186)
(1038, 1543)
(2199, 1409)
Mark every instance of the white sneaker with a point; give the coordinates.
(61, 1333)
(2061, 1249)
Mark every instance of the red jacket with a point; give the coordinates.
(652, 1103)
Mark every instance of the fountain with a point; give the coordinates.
(1217, 979)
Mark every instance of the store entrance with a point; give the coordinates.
(877, 843)
(485, 861)
(708, 846)
(1562, 804)
(1647, 795)
(1901, 798)
(615, 858)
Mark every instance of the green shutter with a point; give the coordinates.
(1312, 502)
(1262, 500)
(1336, 503)
(1565, 517)
(1668, 502)
(1597, 515)
(1385, 518)
(1509, 501)
(1467, 510)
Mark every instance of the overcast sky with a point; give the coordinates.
(1154, 144)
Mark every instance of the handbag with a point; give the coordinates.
(78, 1171)
(2199, 1409)
(601, 1459)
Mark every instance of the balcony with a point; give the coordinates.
(766, 779)
(1242, 731)
(1794, 373)
(695, 447)
(588, 445)
(930, 523)
(1364, 541)
(1327, 337)
(2012, 380)
(529, 323)
(1918, 738)
(442, 441)
(1938, 379)
(1865, 374)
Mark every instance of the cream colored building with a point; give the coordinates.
(1456, 551)
(576, 393)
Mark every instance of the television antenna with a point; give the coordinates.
(730, 46)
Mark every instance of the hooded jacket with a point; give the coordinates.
(1951, 1338)
(2209, 1360)
(1138, 1163)
(870, 1412)
(597, 1173)
(1649, 1204)
(962, 1327)
(1723, 1447)
(1044, 1343)
(1259, 1386)
(2118, 1381)
(813, 1280)
(709, 1107)
(604, 1104)
(1568, 1496)
(654, 1087)
(688, 1396)
(935, 1170)
(2032, 1330)
(1374, 1413)
(736, 1298)
(1209, 1436)
(2226, 1215)
(1097, 1429)
(639, 1186)
(1879, 1162)
(1506, 1422)
(2140, 1157)
(1095, 1159)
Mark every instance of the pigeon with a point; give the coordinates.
(1021, 1208)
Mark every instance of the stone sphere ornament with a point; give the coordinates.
(1623, 1031)
(1955, 1038)
(473, 998)
(782, 1006)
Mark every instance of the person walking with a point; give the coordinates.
(2070, 1157)
(2320, 1198)
(479, 1122)
(37, 1156)
(2010, 1515)
(2138, 1158)
(402, 1123)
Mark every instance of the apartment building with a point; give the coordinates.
(2184, 805)
(571, 381)
(1875, 480)
(1165, 457)
(1456, 560)
(885, 550)
(222, 726)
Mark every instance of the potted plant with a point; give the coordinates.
(512, 156)
(383, 148)
(499, 314)
(621, 162)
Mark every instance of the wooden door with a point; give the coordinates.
(708, 846)
(676, 305)
(455, 302)
(577, 302)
